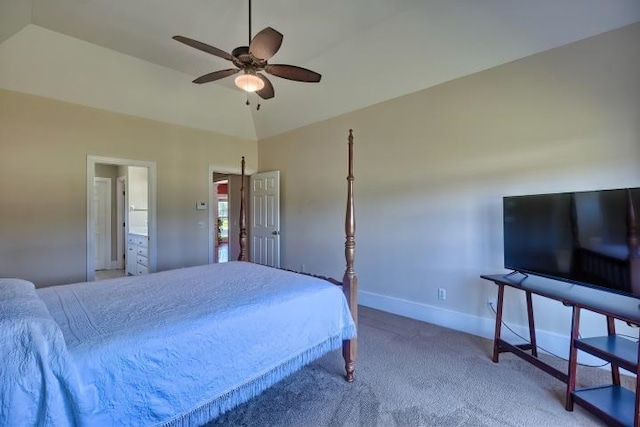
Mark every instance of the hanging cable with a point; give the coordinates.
(542, 348)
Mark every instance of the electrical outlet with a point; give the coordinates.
(492, 302)
(442, 294)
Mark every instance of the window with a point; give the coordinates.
(223, 220)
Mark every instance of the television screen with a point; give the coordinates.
(581, 237)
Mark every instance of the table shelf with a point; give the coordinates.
(613, 348)
(613, 403)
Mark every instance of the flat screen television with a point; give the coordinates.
(589, 238)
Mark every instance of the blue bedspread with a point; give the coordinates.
(38, 383)
(180, 347)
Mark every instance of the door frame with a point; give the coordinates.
(152, 224)
(222, 169)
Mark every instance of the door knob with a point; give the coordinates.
(275, 233)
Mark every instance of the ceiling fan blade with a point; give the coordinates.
(291, 72)
(216, 75)
(267, 91)
(204, 47)
(266, 43)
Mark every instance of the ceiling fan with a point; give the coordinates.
(251, 60)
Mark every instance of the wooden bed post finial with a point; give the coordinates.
(243, 218)
(350, 280)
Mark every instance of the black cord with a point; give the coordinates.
(634, 339)
(542, 348)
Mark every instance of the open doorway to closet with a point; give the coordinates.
(121, 217)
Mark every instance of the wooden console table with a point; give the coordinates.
(613, 403)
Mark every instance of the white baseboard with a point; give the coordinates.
(551, 342)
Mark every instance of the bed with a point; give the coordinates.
(174, 348)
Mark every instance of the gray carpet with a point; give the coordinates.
(410, 373)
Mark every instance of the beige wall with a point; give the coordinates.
(432, 167)
(43, 160)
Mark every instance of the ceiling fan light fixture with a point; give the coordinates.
(249, 82)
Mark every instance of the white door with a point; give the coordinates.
(265, 218)
(121, 222)
(102, 222)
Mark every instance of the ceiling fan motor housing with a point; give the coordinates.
(244, 59)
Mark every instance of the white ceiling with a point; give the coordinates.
(367, 51)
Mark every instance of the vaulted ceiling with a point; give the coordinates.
(118, 55)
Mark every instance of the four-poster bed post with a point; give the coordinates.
(350, 280)
(243, 218)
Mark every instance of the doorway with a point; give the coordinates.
(215, 177)
(121, 217)
(221, 218)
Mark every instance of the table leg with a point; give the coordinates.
(496, 336)
(573, 358)
(532, 328)
(636, 417)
